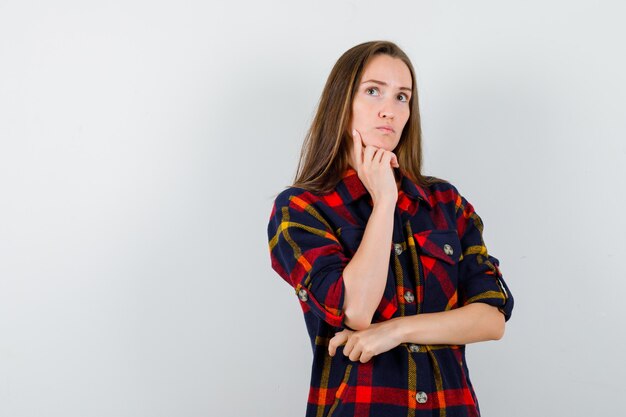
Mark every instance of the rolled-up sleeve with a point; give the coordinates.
(480, 278)
(305, 252)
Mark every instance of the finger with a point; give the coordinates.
(394, 161)
(355, 353)
(379, 155)
(357, 148)
(331, 345)
(365, 357)
(347, 349)
(338, 340)
(369, 155)
(385, 160)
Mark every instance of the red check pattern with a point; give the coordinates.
(438, 261)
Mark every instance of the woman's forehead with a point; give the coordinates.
(387, 69)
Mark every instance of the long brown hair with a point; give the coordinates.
(324, 155)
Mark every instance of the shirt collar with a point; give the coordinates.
(351, 188)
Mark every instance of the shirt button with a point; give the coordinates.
(303, 295)
(414, 348)
(409, 297)
(448, 249)
(421, 397)
(398, 248)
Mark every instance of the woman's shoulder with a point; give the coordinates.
(293, 191)
(439, 184)
(443, 191)
(299, 195)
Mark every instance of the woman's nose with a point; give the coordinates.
(385, 110)
(385, 113)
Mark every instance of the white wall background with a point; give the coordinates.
(141, 145)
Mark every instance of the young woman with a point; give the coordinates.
(388, 264)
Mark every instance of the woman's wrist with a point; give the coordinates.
(398, 329)
(386, 203)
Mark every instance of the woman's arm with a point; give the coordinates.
(365, 275)
(474, 322)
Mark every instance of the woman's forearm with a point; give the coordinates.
(474, 322)
(365, 275)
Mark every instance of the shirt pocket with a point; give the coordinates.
(439, 254)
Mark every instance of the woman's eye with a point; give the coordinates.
(403, 97)
(367, 90)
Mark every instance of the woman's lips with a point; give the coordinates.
(385, 129)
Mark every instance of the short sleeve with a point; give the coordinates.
(305, 252)
(480, 278)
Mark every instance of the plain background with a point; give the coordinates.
(143, 142)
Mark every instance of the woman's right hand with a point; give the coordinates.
(374, 167)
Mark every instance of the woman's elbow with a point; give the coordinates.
(357, 321)
(499, 326)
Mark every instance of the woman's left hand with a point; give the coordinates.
(362, 345)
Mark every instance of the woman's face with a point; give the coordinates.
(380, 108)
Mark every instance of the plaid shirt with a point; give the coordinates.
(438, 261)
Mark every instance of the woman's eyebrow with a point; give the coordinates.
(384, 83)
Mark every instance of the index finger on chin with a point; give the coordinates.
(357, 147)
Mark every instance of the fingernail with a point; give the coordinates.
(353, 132)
